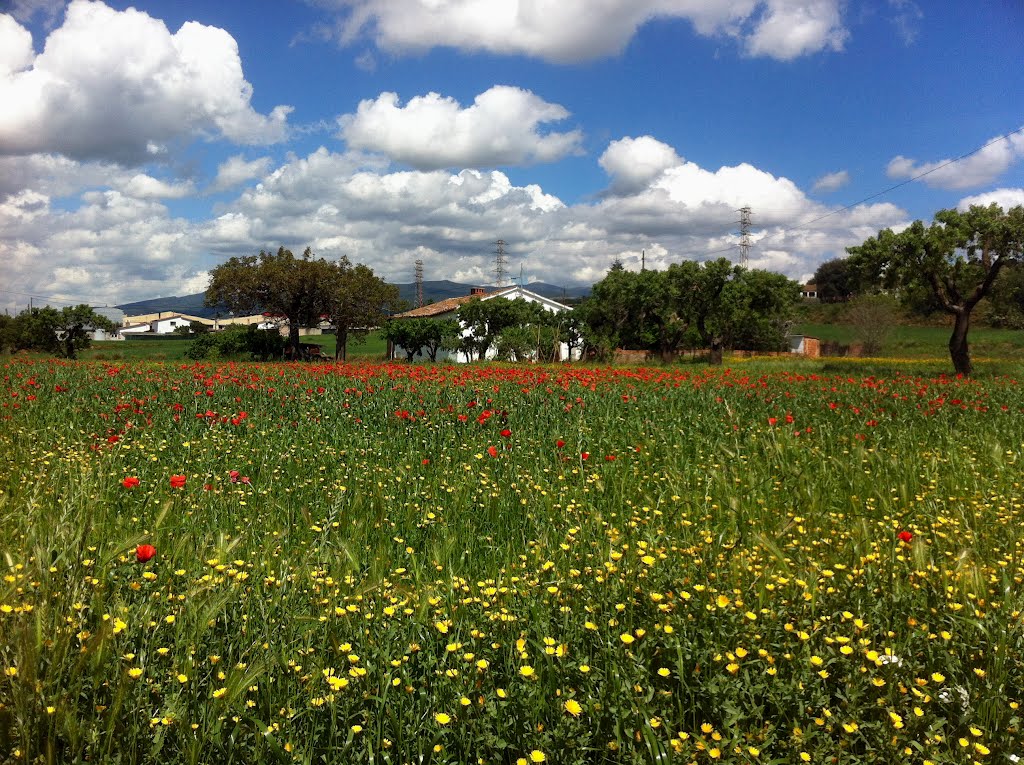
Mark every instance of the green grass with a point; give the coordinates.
(394, 563)
(373, 346)
(173, 348)
(927, 342)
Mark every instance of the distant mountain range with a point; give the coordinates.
(433, 292)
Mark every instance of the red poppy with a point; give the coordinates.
(506, 433)
(559, 443)
(130, 482)
(492, 450)
(178, 481)
(585, 456)
(904, 536)
(144, 553)
(233, 475)
(772, 421)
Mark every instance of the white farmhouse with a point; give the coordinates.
(446, 309)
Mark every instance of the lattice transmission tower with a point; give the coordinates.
(744, 235)
(500, 263)
(419, 283)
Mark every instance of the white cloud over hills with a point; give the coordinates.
(118, 247)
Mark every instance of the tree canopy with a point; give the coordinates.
(713, 305)
(486, 320)
(835, 281)
(279, 284)
(303, 291)
(416, 335)
(357, 301)
(63, 332)
(955, 261)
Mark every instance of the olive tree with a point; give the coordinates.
(957, 260)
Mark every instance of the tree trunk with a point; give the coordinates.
(341, 346)
(715, 356)
(958, 350)
(293, 337)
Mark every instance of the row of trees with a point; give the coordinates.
(711, 306)
(304, 291)
(61, 332)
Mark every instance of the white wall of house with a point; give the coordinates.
(168, 325)
(103, 336)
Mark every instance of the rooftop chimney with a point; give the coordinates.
(477, 291)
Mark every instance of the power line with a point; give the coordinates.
(917, 177)
(51, 298)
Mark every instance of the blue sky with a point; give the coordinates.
(142, 144)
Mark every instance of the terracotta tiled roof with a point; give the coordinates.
(434, 309)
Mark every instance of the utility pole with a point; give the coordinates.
(499, 263)
(643, 260)
(419, 283)
(744, 235)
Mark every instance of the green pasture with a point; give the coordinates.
(173, 348)
(772, 562)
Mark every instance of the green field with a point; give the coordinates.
(173, 348)
(771, 562)
(927, 342)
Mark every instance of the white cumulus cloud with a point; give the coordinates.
(117, 85)
(502, 127)
(579, 30)
(789, 29)
(117, 247)
(984, 166)
(237, 170)
(1005, 198)
(831, 182)
(142, 186)
(633, 163)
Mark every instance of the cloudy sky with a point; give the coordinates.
(143, 144)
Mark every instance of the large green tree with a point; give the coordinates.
(835, 281)
(957, 259)
(62, 332)
(358, 301)
(299, 289)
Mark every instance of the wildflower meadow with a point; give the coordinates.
(386, 563)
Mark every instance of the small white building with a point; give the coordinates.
(446, 309)
(169, 324)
